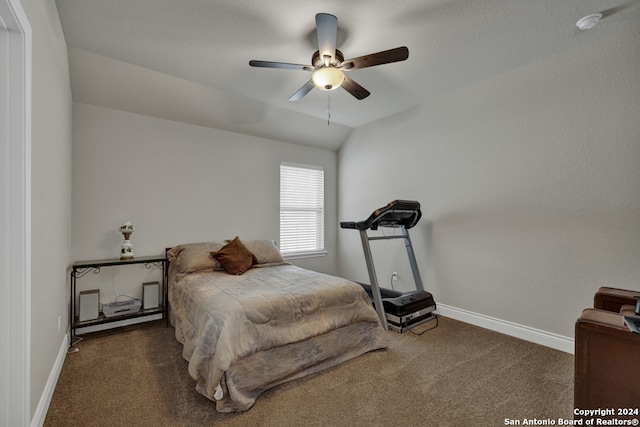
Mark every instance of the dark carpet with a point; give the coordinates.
(454, 375)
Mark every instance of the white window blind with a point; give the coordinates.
(301, 209)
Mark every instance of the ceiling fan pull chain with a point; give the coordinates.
(328, 108)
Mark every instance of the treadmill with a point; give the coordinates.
(409, 309)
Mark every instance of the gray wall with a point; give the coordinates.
(178, 183)
(529, 184)
(50, 191)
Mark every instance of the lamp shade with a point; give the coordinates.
(327, 78)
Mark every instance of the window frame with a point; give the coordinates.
(320, 249)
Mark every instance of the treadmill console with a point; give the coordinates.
(399, 213)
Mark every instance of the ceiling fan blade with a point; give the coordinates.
(379, 58)
(284, 65)
(354, 88)
(302, 91)
(327, 30)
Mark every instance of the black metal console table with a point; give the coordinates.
(81, 268)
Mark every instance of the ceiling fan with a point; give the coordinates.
(329, 65)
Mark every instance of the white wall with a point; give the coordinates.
(50, 197)
(178, 183)
(529, 184)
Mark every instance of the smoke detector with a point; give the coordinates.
(589, 21)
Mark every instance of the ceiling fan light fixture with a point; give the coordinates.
(327, 78)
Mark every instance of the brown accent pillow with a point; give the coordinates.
(235, 257)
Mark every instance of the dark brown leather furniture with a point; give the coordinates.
(616, 300)
(607, 354)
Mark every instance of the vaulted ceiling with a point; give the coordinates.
(188, 60)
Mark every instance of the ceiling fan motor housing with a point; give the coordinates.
(317, 61)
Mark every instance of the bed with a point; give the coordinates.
(249, 328)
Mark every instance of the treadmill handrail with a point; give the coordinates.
(398, 213)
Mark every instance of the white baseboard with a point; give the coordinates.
(526, 333)
(47, 394)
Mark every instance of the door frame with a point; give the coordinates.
(15, 214)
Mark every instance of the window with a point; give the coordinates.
(301, 210)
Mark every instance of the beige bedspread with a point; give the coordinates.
(245, 334)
